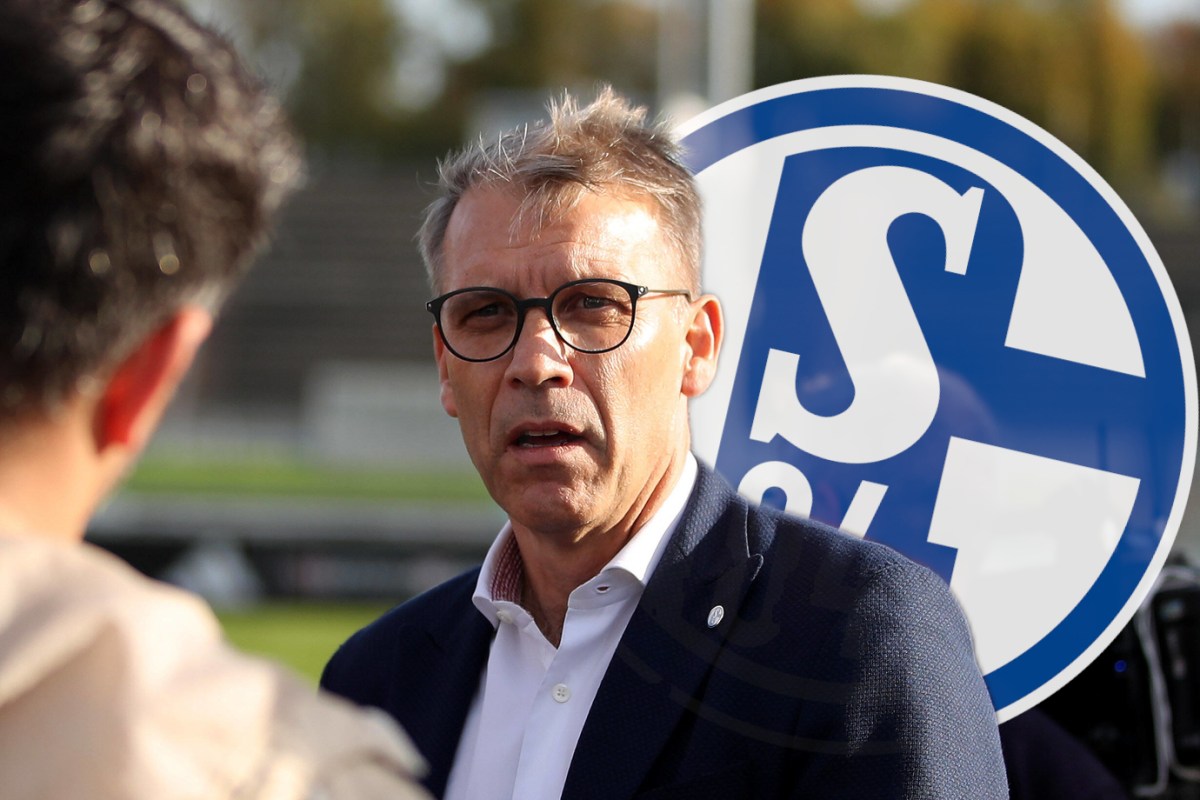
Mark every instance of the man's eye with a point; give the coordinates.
(483, 313)
(593, 302)
(490, 310)
(587, 301)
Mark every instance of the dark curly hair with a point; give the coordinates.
(140, 164)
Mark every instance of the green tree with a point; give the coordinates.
(342, 56)
(1178, 69)
(1071, 66)
(806, 39)
(1119, 85)
(547, 44)
(1000, 56)
(342, 93)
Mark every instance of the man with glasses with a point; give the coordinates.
(636, 627)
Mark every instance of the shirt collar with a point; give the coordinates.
(502, 571)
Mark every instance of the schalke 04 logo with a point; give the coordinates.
(946, 333)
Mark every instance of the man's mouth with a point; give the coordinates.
(546, 438)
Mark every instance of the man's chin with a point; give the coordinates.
(549, 507)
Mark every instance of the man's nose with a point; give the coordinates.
(539, 355)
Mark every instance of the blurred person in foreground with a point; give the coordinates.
(637, 629)
(139, 165)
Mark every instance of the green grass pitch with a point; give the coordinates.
(301, 635)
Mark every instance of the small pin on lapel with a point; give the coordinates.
(715, 616)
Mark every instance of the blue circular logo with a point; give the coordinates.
(946, 333)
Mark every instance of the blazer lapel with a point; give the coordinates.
(449, 678)
(669, 647)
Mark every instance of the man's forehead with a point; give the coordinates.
(531, 215)
(495, 221)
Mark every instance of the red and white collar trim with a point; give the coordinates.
(509, 572)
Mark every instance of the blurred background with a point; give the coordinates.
(306, 477)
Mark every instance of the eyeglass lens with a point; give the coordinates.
(592, 316)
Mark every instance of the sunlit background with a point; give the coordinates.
(306, 476)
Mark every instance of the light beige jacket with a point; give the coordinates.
(116, 686)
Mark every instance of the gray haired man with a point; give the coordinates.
(637, 629)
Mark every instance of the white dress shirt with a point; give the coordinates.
(533, 699)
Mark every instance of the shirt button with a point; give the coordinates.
(504, 616)
(561, 693)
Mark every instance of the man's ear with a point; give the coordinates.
(447, 393)
(137, 392)
(703, 339)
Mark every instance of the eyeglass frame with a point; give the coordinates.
(636, 292)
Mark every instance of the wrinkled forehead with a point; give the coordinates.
(498, 233)
(532, 209)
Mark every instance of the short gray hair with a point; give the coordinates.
(607, 145)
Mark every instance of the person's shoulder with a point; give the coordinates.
(822, 552)
(362, 668)
(77, 622)
(34, 564)
(715, 504)
(824, 582)
(877, 603)
(67, 594)
(806, 554)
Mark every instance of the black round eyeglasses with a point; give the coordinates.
(593, 315)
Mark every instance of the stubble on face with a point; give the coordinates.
(569, 443)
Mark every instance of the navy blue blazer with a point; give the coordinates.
(840, 670)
